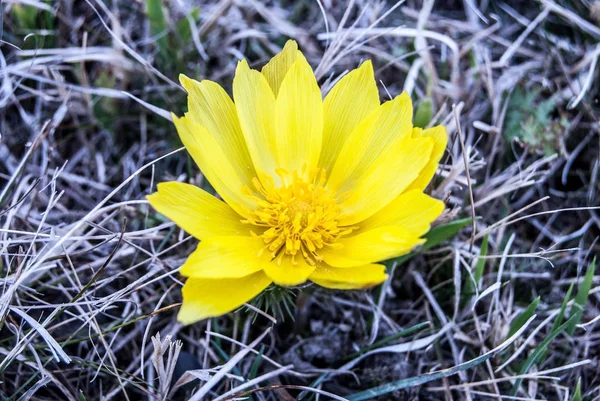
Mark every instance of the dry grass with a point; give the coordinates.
(88, 272)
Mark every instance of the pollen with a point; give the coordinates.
(299, 216)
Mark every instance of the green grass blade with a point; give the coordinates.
(481, 261)
(563, 307)
(523, 317)
(577, 394)
(158, 25)
(223, 354)
(539, 350)
(471, 285)
(386, 340)
(183, 26)
(256, 363)
(424, 113)
(25, 16)
(418, 380)
(582, 297)
(559, 317)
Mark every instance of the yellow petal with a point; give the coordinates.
(224, 257)
(371, 246)
(215, 164)
(378, 161)
(413, 210)
(286, 273)
(299, 119)
(350, 101)
(440, 140)
(348, 278)
(387, 177)
(371, 139)
(255, 104)
(230, 257)
(211, 107)
(275, 70)
(204, 298)
(196, 211)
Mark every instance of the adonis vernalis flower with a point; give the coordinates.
(314, 189)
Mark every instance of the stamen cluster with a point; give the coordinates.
(300, 216)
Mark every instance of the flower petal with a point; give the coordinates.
(286, 273)
(388, 177)
(350, 101)
(196, 211)
(211, 107)
(299, 119)
(348, 278)
(215, 164)
(440, 140)
(204, 298)
(378, 161)
(224, 257)
(255, 104)
(413, 210)
(371, 246)
(275, 70)
(370, 140)
(230, 257)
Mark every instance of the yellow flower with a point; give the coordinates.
(314, 189)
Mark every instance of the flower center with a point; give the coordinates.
(300, 216)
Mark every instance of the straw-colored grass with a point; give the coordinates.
(505, 309)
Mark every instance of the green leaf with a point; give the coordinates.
(183, 26)
(158, 25)
(25, 16)
(81, 396)
(424, 113)
(256, 363)
(441, 233)
(531, 120)
(471, 285)
(577, 393)
(435, 236)
(582, 297)
(523, 317)
(481, 261)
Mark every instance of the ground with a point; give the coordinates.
(503, 304)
